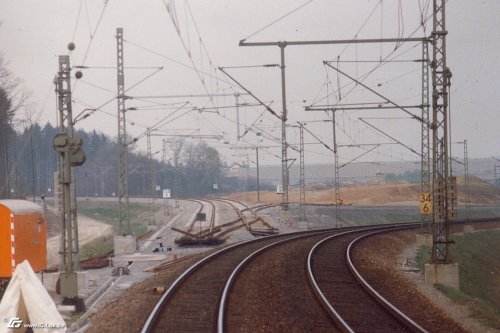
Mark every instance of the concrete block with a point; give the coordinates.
(468, 228)
(66, 308)
(49, 280)
(303, 225)
(82, 282)
(123, 261)
(424, 239)
(69, 284)
(152, 227)
(124, 245)
(285, 215)
(445, 274)
(92, 283)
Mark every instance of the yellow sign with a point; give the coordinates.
(425, 203)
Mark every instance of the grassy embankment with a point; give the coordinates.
(479, 274)
(110, 215)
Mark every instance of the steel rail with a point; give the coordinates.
(212, 216)
(191, 224)
(232, 278)
(343, 325)
(379, 298)
(150, 321)
(228, 202)
(153, 316)
(252, 210)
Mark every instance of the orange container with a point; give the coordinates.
(23, 236)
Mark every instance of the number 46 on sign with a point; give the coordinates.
(425, 203)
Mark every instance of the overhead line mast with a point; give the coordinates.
(426, 180)
(442, 203)
(123, 198)
(152, 180)
(70, 155)
(282, 45)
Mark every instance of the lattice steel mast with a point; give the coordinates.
(123, 198)
(441, 75)
(425, 184)
(282, 45)
(164, 161)
(338, 199)
(152, 181)
(68, 249)
(466, 181)
(284, 145)
(70, 155)
(302, 201)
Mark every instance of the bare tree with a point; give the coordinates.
(12, 98)
(28, 121)
(176, 147)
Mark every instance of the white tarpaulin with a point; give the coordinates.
(26, 303)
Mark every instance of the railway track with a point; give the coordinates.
(182, 309)
(302, 281)
(208, 208)
(341, 289)
(249, 217)
(218, 277)
(216, 234)
(303, 309)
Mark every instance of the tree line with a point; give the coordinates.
(191, 169)
(28, 160)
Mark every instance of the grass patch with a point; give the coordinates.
(479, 269)
(479, 274)
(110, 214)
(96, 248)
(455, 295)
(398, 218)
(423, 256)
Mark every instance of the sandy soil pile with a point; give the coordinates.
(480, 191)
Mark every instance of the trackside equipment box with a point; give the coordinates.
(23, 236)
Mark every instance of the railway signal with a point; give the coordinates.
(70, 155)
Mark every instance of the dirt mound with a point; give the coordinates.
(480, 192)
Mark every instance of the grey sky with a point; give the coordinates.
(33, 33)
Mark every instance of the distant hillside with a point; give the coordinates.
(361, 172)
(383, 193)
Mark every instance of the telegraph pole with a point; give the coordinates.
(70, 155)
